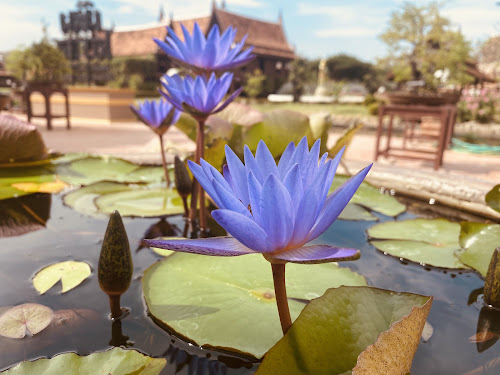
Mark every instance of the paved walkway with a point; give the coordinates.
(136, 142)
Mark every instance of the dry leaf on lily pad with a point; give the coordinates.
(360, 329)
(26, 319)
(71, 274)
(41, 187)
(113, 361)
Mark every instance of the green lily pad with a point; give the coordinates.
(279, 128)
(71, 274)
(25, 319)
(113, 361)
(27, 180)
(83, 198)
(143, 202)
(148, 174)
(431, 242)
(493, 198)
(478, 241)
(370, 197)
(336, 333)
(229, 302)
(354, 212)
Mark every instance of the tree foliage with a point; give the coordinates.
(42, 62)
(348, 68)
(421, 41)
(254, 85)
(302, 72)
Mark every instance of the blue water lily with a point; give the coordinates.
(157, 114)
(199, 96)
(273, 209)
(215, 53)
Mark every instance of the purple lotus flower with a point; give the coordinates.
(216, 52)
(157, 114)
(199, 96)
(273, 209)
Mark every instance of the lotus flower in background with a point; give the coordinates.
(273, 209)
(215, 53)
(157, 114)
(200, 96)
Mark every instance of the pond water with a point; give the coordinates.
(70, 235)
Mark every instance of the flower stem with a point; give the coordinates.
(201, 153)
(163, 158)
(281, 298)
(114, 305)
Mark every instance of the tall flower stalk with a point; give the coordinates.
(158, 115)
(274, 210)
(201, 96)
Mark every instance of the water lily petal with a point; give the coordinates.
(254, 194)
(238, 175)
(205, 181)
(293, 184)
(251, 164)
(215, 246)
(336, 202)
(265, 160)
(305, 219)
(229, 201)
(277, 212)
(243, 229)
(315, 254)
(285, 160)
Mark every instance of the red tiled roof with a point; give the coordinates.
(267, 38)
(137, 42)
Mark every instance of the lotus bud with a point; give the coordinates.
(492, 282)
(183, 182)
(115, 263)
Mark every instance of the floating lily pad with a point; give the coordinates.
(130, 200)
(354, 212)
(337, 333)
(26, 319)
(371, 197)
(493, 198)
(478, 241)
(113, 361)
(43, 187)
(431, 242)
(93, 169)
(71, 274)
(27, 179)
(142, 202)
(229, 302)
(83, 198)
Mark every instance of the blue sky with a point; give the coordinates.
(316, 28)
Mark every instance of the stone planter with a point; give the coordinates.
(97, 104)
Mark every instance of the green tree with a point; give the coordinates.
(421, 41)
(42, 62)
(254, 85)
(302, 72)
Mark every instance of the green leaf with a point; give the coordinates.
(26, 319)
(219, 301)
(92, 169)
(71, 274)
(493, 198)
(279, 128)
(336, 333)
(25, 178)
(354, 212)
(142, 202)
(432, 242)
(113, 361)
(478, 241)
(371, 197)
(83, 199)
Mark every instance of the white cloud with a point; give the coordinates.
(246, 3)
(125, 9)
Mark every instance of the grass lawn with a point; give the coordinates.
(336, 109)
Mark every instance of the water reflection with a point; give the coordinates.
(25, 214)
(488, 328)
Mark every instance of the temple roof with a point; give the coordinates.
(268, 38)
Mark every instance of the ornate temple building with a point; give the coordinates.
(273, 53)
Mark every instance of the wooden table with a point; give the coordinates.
(413, 113)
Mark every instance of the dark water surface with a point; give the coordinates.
(70, 235)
